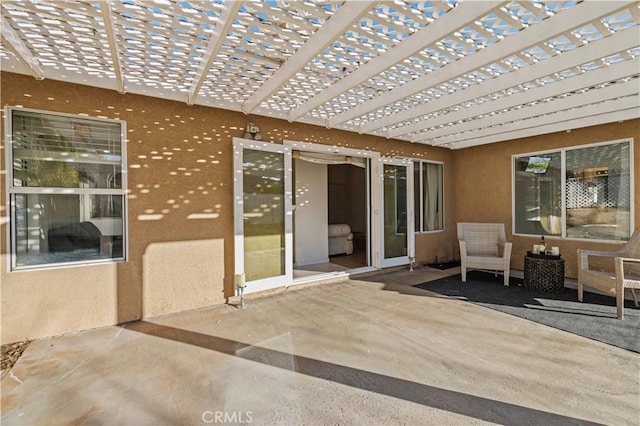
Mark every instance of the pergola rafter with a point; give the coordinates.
(350, 12)
(584, 54)
(18, 47)
(105, 8)
(558, 123)
(582, 82)
(596, 101)
(213, 47)
(462, 15)
(527, 37)
(424, 72)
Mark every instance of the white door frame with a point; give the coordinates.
(410, 256)
(375, 214)
(239, 144)
(373, 217)
(376, 179)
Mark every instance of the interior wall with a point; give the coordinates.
(483, 193)
(357, 199)
(311, 229)
(181, 242)
(347, 196)
(338, 194)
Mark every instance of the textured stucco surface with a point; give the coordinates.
(374, 351)
(483, 183)
(180, 162)
(181, 206)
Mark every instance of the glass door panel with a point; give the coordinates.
(397, 212)
(263, 215)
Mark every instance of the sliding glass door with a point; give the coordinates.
(263, 215)
(397, 212)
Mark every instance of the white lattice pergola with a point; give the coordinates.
(445, 73)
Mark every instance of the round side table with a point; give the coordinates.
(543, 272)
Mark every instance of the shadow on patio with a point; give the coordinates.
(442, 399)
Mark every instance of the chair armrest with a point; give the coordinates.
(463, 247)
(629, 259)
(583, 256)
(603, 253)
(619, 265)
(504, 249)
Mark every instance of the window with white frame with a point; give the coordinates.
(66, 189)
(579, 192)
(428, 196)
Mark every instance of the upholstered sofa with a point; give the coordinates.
(340, 239)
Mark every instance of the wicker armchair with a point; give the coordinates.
(484, 246)
(625, 273)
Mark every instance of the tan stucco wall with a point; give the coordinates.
(483, 183)
(180, 164)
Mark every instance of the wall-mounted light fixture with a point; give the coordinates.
(252, 132)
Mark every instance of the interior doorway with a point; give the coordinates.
(285, 230)
(331, 231)
(347, 207)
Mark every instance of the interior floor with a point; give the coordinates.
(346, 199)
(318, 268)
(357, 259)
(337, 263)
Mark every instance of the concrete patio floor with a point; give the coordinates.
(359, 352)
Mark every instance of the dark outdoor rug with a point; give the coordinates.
(595, 318)
(443, 265)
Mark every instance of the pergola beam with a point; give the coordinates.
(15, 44)
(567, 123)
(587, 79)
(105, 9)
(334, 28)
(517, 118)
(218, 35)
(530, 36)
(617, 42)
(441, 27)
